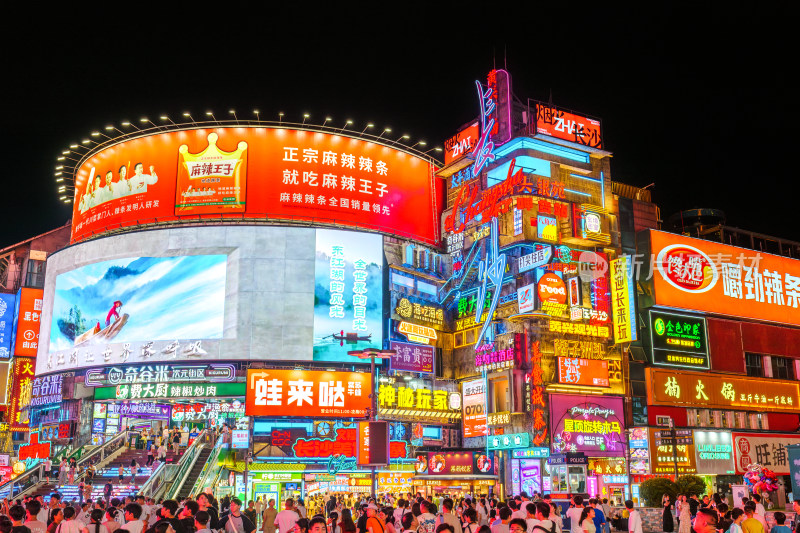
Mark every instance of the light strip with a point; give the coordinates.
(589, 178)
(547, 148)
(578, 192)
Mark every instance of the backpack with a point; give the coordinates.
(539, 527)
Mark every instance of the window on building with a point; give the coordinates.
(754, 364)
(500, 395)
(35, 275)
(782, 368)
(739, 419)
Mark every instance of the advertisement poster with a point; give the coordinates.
(716, 278)
(264, 173)
(768, 450)
(458, 463)
(474, 401)
(304, 393)
(411, 357)
(713, 451)
(588, 372)
(7, 306)
(29, 312)
(561, 124)
(137, 299)
(678, 340)
(590, 424)
(348, 294)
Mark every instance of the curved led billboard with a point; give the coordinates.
(212, 293)
(248, 173)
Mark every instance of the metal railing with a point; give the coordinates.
(175, 477)
(157, 480)
(211, 469)
(27, 481)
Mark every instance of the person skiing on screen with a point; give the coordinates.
(113, 312)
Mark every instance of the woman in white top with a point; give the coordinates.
(95, 523)
(587, 520)
(111, 520)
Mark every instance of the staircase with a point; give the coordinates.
(194, 473)
(109, 472)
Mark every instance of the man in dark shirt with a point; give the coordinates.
(693, 505)
(17, 514)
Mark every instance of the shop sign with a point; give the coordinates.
(568, 459)
(716, 278)
(240, 439)
(459, 463)
(531, 453)
(526, 301)
(661, 457)
(536, 259)
(474, 411)
(588, 372)
(373, 443)
(427, 314)
(538, 404)
(412, 357)
(767, 450)
(455, 242)
(587, 424)
(7, 306)
(20, 397)
(616, 479)
(34, 449)
(488, 359)
(599, 466)
(713, 452)
(47, 390)
(279, 476)
(499, 419)
(166, 373)
(417, 333)
(582, 349)
(714, 391)
(29, 303)
(638, 450)
(422, 401)
(307, 393)
(466, 304)
(678, 340)
(682, 436)
(508, 441)
(344, 445)
(622, 300)
(168, 390)
(208, 411)
(589, 330)
(141, 409)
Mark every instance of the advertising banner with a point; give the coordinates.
(474, 400)
(373, 443)
(588, 372)
(716, 278)
(622, 300)
(459, 463)
(461, 143)
(678, 340)
(159, 390)
(348, 294)
(8, 303)
(768, 450)
(240, 439)
(639, 450)
(794, 466)
(259, 173)
(29, 304)
(307, 393)
(412, 357)
(713, 451)
(717, 391)
(22, 376)
(5, 375)
(561, 124)
(589, 424)
(663, 458)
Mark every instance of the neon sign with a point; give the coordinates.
(491, 270)
(484, 148)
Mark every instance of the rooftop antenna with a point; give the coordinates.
(550, 101)
(505, 63)
(494, 59)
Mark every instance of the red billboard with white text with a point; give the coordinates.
(238, 173)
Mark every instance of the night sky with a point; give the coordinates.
(694, 100)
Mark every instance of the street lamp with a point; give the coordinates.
(371, 354)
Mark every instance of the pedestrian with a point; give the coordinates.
(150, 454)
(634, 519)
(268, 517)
(134, 470)
(48, 468)
(287, 519)
(121, 472)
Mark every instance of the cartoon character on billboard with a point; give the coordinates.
(484, 463)
(437, 463)
(110, 331)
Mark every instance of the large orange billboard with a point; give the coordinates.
(26, 342)
(257, 174)
(304, 393)
(716, 278)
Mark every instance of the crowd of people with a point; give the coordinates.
(387, 514)
(714, 513)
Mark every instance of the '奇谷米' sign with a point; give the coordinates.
(47, 390)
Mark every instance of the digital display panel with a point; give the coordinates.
(348, 294)
(137, 299)
(275, 173)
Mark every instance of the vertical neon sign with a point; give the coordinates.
(490, 269)
(484, 148)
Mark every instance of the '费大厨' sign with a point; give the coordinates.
(168, 390)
